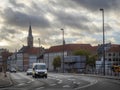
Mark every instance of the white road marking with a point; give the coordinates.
(52, 84)
(20, 84)
(66, 86)
(74, 82)
(71, 79)
(92, 83)
(60, 81)
(40, 88)
(29, 82)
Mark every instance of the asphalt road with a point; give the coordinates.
(57, 81)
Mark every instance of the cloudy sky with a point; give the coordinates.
(80, 19)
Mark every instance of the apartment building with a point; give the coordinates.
(54, 51)
(112, 57)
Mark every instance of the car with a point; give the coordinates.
(29, 71)
(13, 70)
(39, 70)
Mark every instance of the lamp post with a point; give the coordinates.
(63, 48)
(102, 10)
(39, 50)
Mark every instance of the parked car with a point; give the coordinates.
(29, 71)
(13, 70)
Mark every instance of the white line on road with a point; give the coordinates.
(29, 82)
(92, 83)
(40, 88)
(60, 81)
(71, 79)
(20, 84)
(66, 86)
(52, 84)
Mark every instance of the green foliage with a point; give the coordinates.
(81, 52)
(57, 62)
(90, 58)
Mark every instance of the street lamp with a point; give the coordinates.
(63, 48)
(39, 49)
(102, 10)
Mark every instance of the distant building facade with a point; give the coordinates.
(27, 55)
(4, 54)
(112, 57)
(54, 51)
(75, 64)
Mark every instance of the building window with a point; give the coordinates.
(109, 54)
(109, 59)
(113, 54)
(114, 59)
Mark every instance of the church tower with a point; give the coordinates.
(30, 37)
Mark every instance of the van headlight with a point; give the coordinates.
(36, 72)
(45, 72)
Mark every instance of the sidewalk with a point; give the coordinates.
(5, 81)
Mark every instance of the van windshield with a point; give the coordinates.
(40, 67)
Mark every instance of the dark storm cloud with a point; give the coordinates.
(15, 4)
(17, 18)
(97, 4)
(72, 20)
(7, 34)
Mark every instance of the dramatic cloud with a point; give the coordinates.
(16, 4)
(20, 19)
(80, 19)
(97, 4)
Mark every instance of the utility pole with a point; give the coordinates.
(39, 50)
(102, 10)
(63, 48)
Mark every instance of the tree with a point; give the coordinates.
(5, 55)
(57, 62)
(83, 53)
(90, 58)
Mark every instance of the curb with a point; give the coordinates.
(107, 77)
(92, 75)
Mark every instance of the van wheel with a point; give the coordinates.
(35, 76)
(45, 76)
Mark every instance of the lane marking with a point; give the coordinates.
(29, 82)
(20, 84)
(60, 81)
(92, 83)
(52, 84)
(66, 86)
(40, 88)
(74, 82)
(71, 79)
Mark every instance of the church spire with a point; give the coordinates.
(30, 37)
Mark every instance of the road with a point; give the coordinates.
(57, 81)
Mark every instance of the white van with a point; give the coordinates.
(39, 70)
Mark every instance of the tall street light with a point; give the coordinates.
(39, 49)
(102, 10)
(63, 48)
